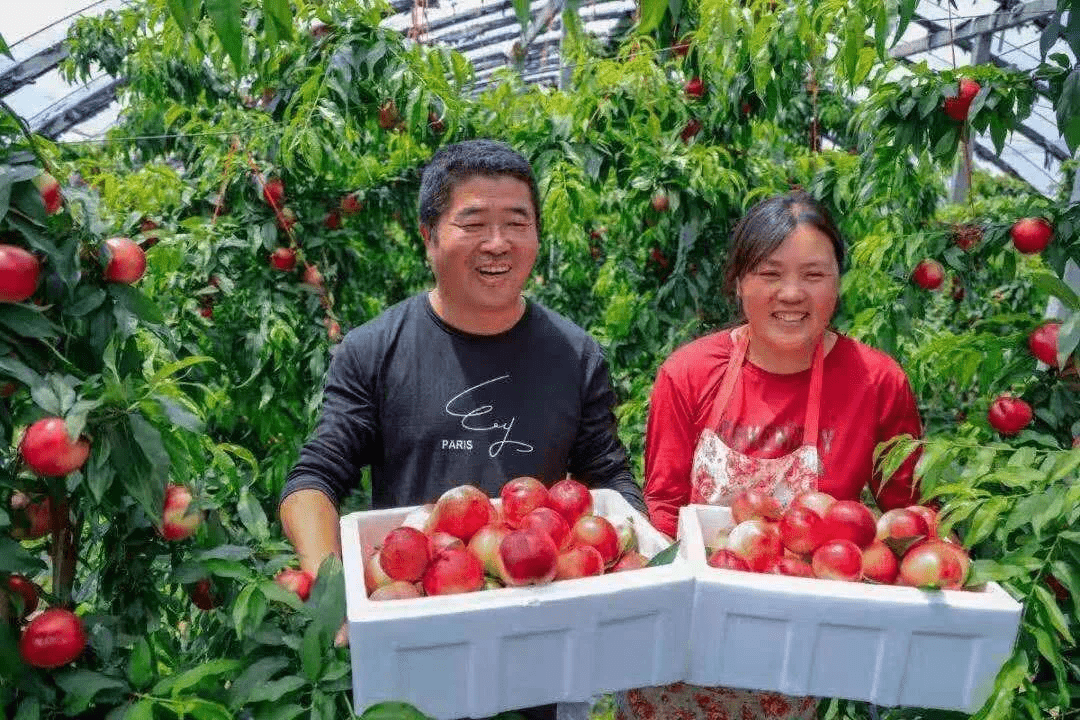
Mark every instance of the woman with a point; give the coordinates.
(780, 404)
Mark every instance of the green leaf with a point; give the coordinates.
(252, 515)
(177, 684)
(27, 322)
(227, 16)
(392, 711)
(18, 370)
(906, 11)
(250, 608)
(4, 49)
(131, 467)
(1068, 109)
(311, 652)
(1053, 613)
(139, 671)
(327, 600)
(14, 558)
(1050, 283)
(1068, 338)
(665, 556)
(167, 371)
(282, 712)
(183, 12)
(274, 690)
(521, 9)
(180, 415)
(985, 520)
(81, 686)
(87, 300)
(256, 675)
(149, 440)
(652, 13)
(98, 473)
(280, 14)
(135, 302)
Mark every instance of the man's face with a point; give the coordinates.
(483, 247)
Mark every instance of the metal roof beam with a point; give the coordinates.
(29, 69)
(970, 29)
(77, 108)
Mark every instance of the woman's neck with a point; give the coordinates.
(783, 361)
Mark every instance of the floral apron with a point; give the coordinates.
(719, 474)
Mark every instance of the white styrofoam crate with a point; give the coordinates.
(478, 654)
(884, 644)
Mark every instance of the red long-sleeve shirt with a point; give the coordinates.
(866, 399)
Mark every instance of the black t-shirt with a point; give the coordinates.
(429, 407)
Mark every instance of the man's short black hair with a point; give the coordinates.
(455, 163)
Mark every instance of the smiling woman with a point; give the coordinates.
(779, 405)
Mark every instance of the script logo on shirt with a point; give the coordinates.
(483, 418)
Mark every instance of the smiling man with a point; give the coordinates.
(469, 383)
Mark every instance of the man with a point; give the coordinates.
(469, 383)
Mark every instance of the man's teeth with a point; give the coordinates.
(499, 270)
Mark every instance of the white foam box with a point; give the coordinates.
(478, 654)
(884, 644)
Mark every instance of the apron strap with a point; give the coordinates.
(734, 368)
(813, 400)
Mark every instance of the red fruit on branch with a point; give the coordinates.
(957, 105)
(350, 204)
(693, 127)
(49, 189)
(660, 202)
(296, 581)
(388, 115)
(928, 274)
(332, 221)
(694, 88)
(19, 272)
(682, 47)
(286, 219)
(312, 277)
(1031, 235)
(177, 523)
(273, 192)
(436, 123)
(1009, 415)
(283, 259)
(49, 450)
(202, 595)
(207, 311)
(967, 236)
(20, 585)
(35, 518)
(1043, 342)
(333, 329)
(52, 639)
(125, 261)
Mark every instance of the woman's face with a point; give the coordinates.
(789, 298)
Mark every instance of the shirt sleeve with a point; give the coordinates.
(670, 436)
(598, 458)
(333, 458)
(899, 416)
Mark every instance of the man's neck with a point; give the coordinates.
(478, 323)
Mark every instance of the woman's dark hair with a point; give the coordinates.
(459, 162)
(765, 227)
